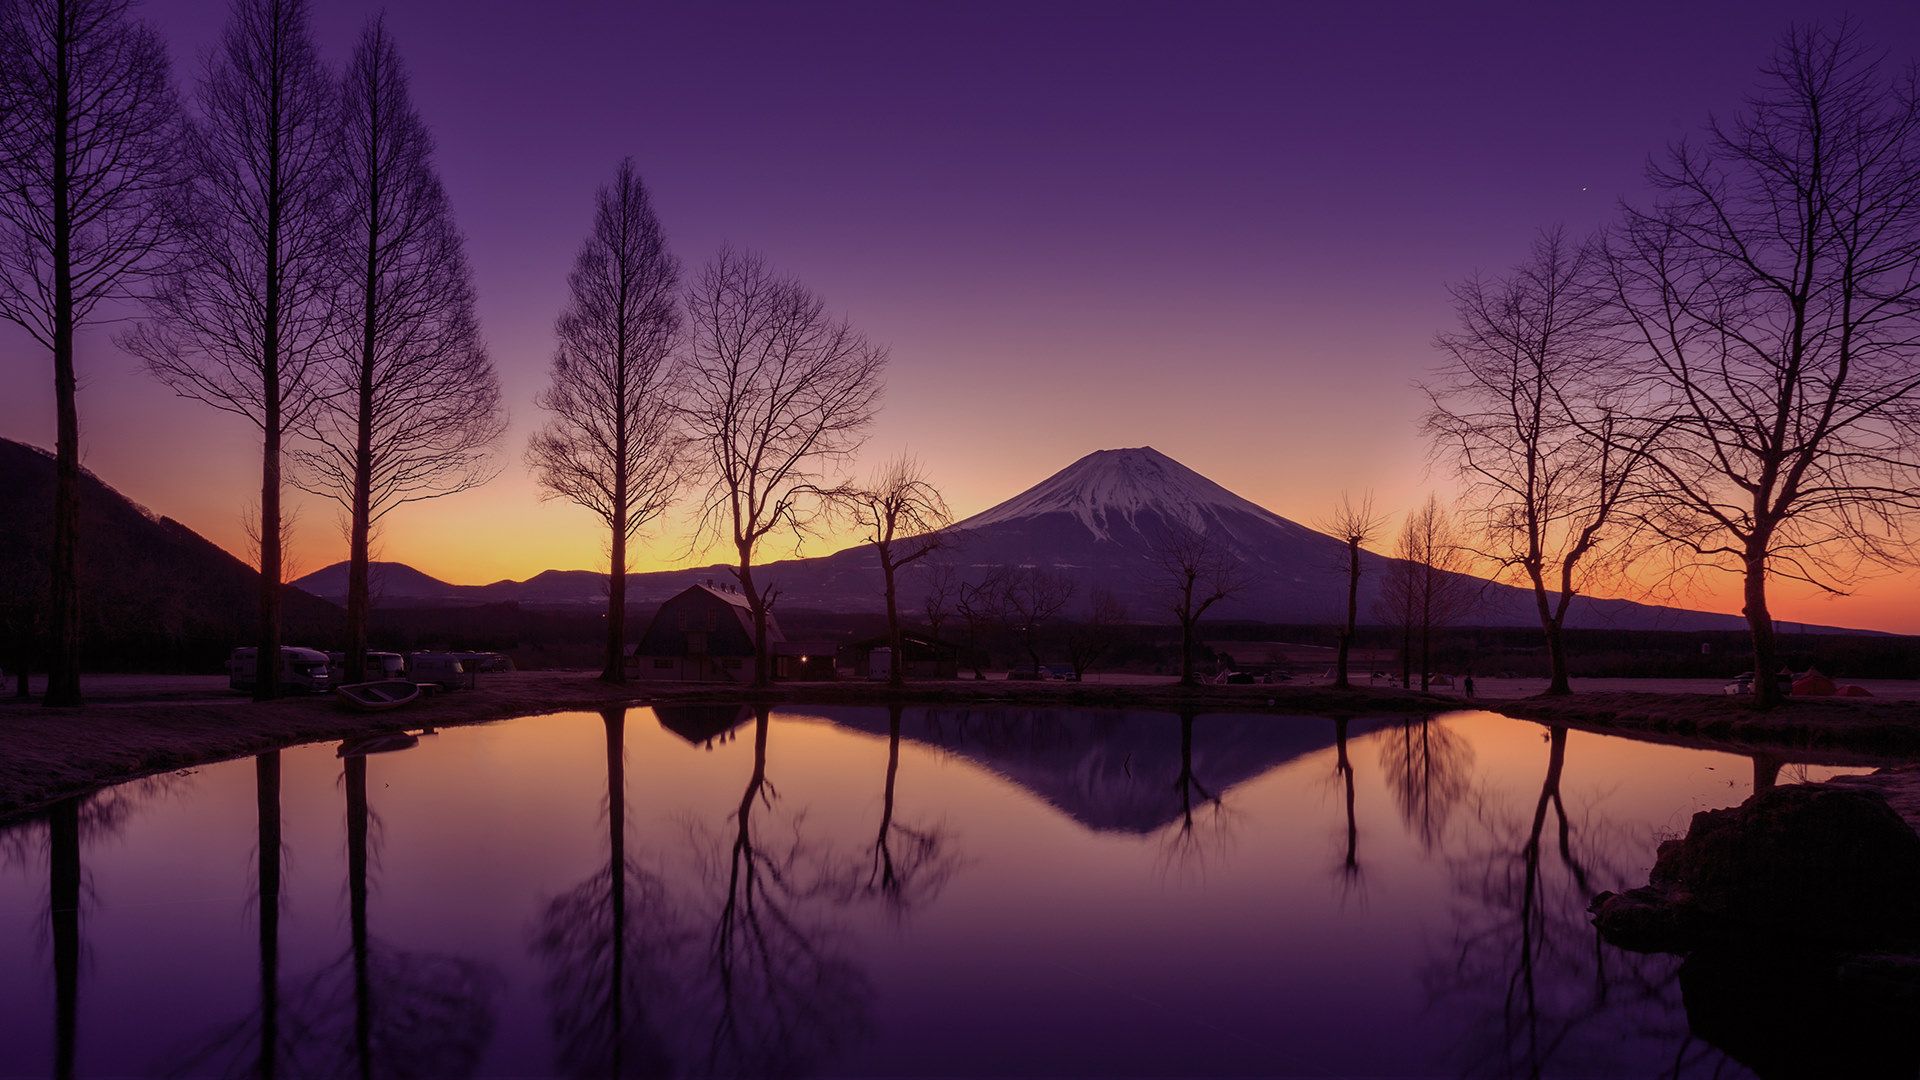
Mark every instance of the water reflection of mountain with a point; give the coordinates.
(1110, 771)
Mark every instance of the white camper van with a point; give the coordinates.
(445, 670)
(301, 670)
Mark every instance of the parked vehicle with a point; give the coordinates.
(301, 670)
(444, 670)
(378, 696)
(484, 663)
(380, 665)
(1062, 672)
(1742, 684)
(1028, 674)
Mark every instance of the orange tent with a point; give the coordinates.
(1814, 684)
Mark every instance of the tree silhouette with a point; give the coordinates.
(240, 321)
(410, 405)
(780, 394)
(610, 443)
(89, 130)
(615, 947)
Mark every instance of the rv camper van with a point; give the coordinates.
(303, 670)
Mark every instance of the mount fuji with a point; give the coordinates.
(1094, 521)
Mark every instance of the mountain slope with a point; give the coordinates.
(153, 593)
(1095, 521)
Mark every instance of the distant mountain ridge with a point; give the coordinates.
(1095, 521)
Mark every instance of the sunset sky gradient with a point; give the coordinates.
(1223, 231)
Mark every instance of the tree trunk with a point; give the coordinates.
(896, 676)
(1550, 627)
(63, 624)
(360, 540)
(1406, 656)
(267, 661)
(1340, 678)
(266, 774)
(762, 674)
(1426, 656)
(1766, 660)
(21, 689)
(65, 882)
(1186, 653)
(1559, 683)
(615, 670)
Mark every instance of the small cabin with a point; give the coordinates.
(702, 634)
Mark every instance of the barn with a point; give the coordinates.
(702, 634)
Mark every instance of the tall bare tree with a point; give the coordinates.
(612, 444)
(1353, 524)
(240, 320)
(89, 130)
(1772, 290)
(780, 394)
(1193, 569)
(1527, 412)
(411, 404)
(1034, 597)
(982, 606)
(1429, 584)
(901, 514)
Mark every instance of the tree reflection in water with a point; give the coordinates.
(1523, 947)
(911, 864)
(1429, 769)
(782, 999)
(1194, 839)
(613, 946)
(377, 1011)
(1349, 871)
(67, 827)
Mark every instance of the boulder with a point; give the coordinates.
(1806, 864)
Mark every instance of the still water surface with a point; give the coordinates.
(864, 892)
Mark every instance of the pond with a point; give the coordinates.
(703, 891)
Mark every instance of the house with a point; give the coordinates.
(702, 634)
(705, 634)
(922, 657)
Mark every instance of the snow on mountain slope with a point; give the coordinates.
(1108, 488)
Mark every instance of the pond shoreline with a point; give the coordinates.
(50, 754)
(47, 755)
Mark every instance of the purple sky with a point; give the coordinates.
(1222, 230)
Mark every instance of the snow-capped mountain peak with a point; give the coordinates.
(1109, 489)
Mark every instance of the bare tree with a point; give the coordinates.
(943, 589)
(239, 321)
(779, 395)
(1035, 596)
(1092, 640)
(411, 404)
(1772, 291)
(901, 514)
(982, 606)
(1353, 524)
(1526, 410)
(1193, 569)
(612, 444)
(89, 127)
(1430, 583)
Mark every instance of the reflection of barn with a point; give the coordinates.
(705, 634)
(922, 657)
(702, 725)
